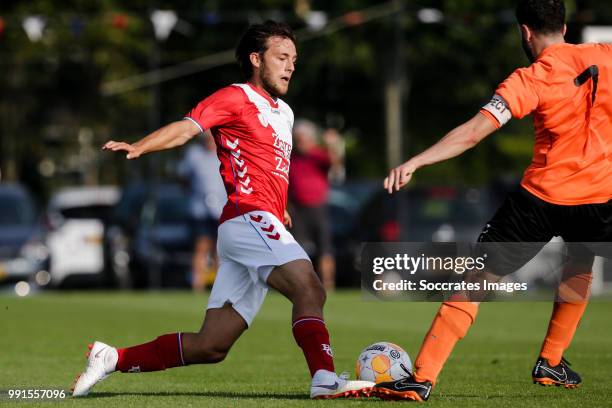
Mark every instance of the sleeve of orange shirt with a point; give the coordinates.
(517, 93)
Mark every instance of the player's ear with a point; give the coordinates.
(526, 33)
(255, 59)
(564, 29)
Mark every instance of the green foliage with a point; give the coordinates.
(51, 89)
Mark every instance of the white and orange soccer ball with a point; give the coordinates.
(382, 362)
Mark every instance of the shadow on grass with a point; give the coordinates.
(518, 396)
(217, 394)
(209, 394)
(299, 397)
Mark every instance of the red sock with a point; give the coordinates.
(164, 352)
(311, 335)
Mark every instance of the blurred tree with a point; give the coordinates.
(456, 52)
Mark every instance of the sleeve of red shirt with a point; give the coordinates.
(220, 108)
(519, 92)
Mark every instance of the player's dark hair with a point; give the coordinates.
(255, 39)
(542, 16)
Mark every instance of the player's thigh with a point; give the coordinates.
(296, 278)
(579, 258)
(521, 218)
(590, 224)
(238, 286)
(517, 232)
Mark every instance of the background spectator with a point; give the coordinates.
(308, 191)
(200, 170)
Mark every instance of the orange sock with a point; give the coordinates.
(450, 324)
(572, 297)
(561, 329)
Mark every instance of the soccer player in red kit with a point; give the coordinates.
(251, 126)
(566, 191)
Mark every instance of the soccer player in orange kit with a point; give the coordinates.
(566, 191)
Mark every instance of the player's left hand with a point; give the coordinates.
(287, 220)
(399, 177)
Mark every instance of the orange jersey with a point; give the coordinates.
(569, 91)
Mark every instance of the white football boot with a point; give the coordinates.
(101, 362)
(326, 384)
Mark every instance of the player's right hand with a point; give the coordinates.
(399, 177)
(287, 222)
(133, 152)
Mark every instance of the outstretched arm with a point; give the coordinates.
(454, 143)
(172, 135)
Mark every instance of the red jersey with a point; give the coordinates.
(253, 136)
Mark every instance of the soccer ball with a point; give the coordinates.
(382, 362)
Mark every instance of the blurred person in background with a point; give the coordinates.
(200, 170)
(311, 165)
(334, 142)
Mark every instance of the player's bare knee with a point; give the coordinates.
(216, 355)
(312, 292)
(210, 353)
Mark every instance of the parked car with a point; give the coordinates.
(345, 203)
(417, 214)
(423, 214)
(76, 219)
(23, 255)
(149, 239)
(119, 235)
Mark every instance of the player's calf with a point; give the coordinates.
(203, 351)
(220, 330)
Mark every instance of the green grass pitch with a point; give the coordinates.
(43, 341)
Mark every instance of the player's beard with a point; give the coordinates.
(269, 85)
(528, 51)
